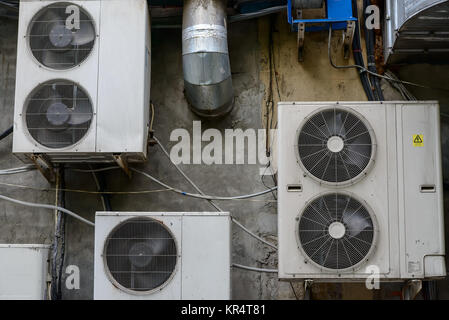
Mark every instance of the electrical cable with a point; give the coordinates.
(6, 133)
(108, 192)
(199, 196)
(47, 206)
(17, 170)
(252, 233)
(239, 266)
(94, 170)
(152, 116)
(363, 70)
(370, 51)
(99, 182)
(357, 53)
(165, 152)
(213, 203)
(58, 247)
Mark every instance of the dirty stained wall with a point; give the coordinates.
(313, 80)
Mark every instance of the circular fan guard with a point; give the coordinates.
(336, 231)
(57, 40)
(336, 146)
(140, 255)
(58, 114)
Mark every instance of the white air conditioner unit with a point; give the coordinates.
(83, 80)
(152, 256)
(23, 271)
(360, 191)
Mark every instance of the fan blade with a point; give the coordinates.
(84, 35)
(355, 222)
(51, 58)
(357, 151)
(81, 113)
(339, 128)
(52, 17)
(116, 256)
(146, 281)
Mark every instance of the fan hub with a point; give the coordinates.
(60, 36)
(58, 114)
(140, 254)
(337, 230)
(335, 144)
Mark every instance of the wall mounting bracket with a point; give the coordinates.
(338, 16)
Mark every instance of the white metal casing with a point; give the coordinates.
(23, 271)
(410, 241)
(116, 77)
(203, 268)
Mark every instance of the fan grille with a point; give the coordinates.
(336, 146)
(58, 114)
(141, 254)
(57, 38)
(336, 231)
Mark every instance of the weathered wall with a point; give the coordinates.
(312, 80)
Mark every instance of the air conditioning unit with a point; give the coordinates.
(152, 256)
(83, 80)
(23, 271)
(360, 191)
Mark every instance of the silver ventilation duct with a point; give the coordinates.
(207, 70)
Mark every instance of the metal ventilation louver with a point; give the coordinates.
(336, 146)
(61, 35)
(140, 255)
(337, 232)
(58, 114)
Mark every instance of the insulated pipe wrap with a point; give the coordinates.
(207, 70)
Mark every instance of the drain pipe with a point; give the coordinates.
(205, 57)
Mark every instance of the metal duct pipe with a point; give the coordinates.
(205, 57)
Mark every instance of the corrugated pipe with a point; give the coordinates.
(207, 70)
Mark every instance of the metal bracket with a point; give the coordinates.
(44, 165)
(123, 163)
(411, 289)
(348, 38)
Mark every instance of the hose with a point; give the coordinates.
(47, 206)
(235, 265)
(199, 196)
(210, 201)
(58, 247)
(358, 56)
(370, 49)
(6, 133)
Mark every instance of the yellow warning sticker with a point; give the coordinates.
(418, 140)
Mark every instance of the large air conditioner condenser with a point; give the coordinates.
(163, 255)
(360, 191)
(83, 80)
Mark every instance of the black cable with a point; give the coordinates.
(6, 133)
(58, 247)
(430, 290)
(370, 40)
(358, 57)
(61, 224)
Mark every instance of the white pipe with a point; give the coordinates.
(47, 206)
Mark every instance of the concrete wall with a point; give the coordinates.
(313, 80)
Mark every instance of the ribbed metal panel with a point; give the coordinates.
(417, 31)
